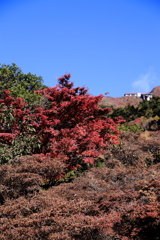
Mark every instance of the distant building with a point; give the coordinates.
(132, 95)
(144, 96)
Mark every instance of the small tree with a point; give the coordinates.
(73, 127)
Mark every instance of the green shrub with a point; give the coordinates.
(125, 127)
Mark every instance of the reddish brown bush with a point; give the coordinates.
(27, 174)
(119, 203)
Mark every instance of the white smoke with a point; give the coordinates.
(145, 81)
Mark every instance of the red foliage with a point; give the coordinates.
(6, 137)
(73, 127)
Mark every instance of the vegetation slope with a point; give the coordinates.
(77, 194)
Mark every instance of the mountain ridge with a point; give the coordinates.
(124, 101)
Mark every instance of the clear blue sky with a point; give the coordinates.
(107, 45)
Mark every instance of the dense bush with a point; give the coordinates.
(125, 127)
(73, 127)
(128, 113)
(149, 108)
(105, 203)
(120, 201)
(27, 175)
(144, 123)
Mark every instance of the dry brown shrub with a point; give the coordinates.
(139, 150)
(94, 206)
(27, 174)
(120, 201)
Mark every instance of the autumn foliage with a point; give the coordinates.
(71, 127)
(118, 201)
(117, 192)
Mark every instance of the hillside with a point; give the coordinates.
(120, 101)
(71, 170)
(156, 91)
(124, 101)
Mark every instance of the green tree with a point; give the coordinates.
(129, 113)
(149, 108)
(20, 84)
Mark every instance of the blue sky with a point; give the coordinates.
(107, 45)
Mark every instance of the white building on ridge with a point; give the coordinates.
(144, 96)
(132, 95)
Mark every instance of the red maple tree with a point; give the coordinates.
(72, 126)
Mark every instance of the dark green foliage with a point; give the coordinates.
(129, 113)
(149, 108)
(145, 108)
(22, 145)
(20, 84)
